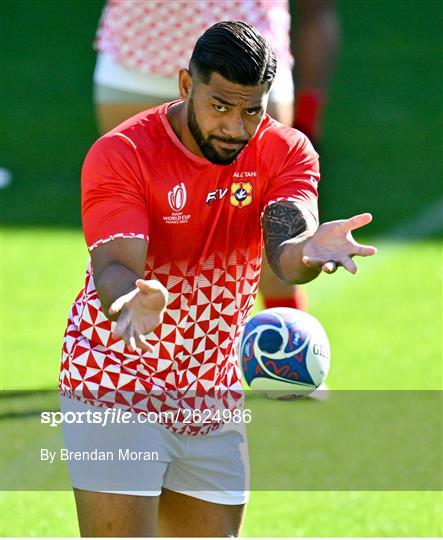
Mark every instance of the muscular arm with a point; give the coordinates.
(136, 304)
(116, 266)
(298, 249)
(286, 227)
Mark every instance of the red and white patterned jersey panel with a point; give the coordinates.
(203, 225)
(157, 37)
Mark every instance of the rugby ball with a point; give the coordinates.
(284, 353)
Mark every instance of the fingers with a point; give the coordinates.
(357, 221)
(349, 265)
(122, 324)
(133, 340)
(330, 267)
(124, 330)
(137, 341)
(364, 251)
(312, 262)
(118, 304)
(132, 345)
(144, 285)
(154, 295)
(138, 318)
(151, 285)
(144, 345)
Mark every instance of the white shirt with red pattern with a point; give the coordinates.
(157, 37)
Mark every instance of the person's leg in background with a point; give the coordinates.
(315, 40)
(112, 106)
(315, 43)
(274, 291)
(120, 93)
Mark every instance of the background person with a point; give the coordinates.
(315, 44)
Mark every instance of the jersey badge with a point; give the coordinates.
(241, 194)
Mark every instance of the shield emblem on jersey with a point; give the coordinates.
(241, 194)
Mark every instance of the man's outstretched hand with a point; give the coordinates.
(141, 311)
(332, 245)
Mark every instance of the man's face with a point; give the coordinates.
(223, 116)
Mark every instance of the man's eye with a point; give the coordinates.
(220, 108)
(253, 112)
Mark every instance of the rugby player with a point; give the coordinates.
(174, 204)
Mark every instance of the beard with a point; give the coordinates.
(206, 147)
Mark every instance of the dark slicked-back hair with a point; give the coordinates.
(237, 51)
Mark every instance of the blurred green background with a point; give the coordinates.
(382, 130)
(381, 153)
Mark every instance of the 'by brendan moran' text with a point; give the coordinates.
(122, 454)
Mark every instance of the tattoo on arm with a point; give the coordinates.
(282, 221)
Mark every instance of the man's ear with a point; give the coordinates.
(184, 83)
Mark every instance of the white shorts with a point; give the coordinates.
(142, 458)
(115, 82)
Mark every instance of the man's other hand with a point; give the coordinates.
(332, 245)
(141, 311)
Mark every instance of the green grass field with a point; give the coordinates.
(381, 153)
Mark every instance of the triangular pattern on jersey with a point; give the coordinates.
(193, 349)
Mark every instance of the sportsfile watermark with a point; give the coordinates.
(119, 416)
(340, 441)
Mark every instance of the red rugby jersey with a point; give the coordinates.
(205, 241)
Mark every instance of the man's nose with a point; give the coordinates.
(234, 127)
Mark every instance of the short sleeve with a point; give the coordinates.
(114, 200)
(297, 179)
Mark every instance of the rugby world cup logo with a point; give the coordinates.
(177, 197)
